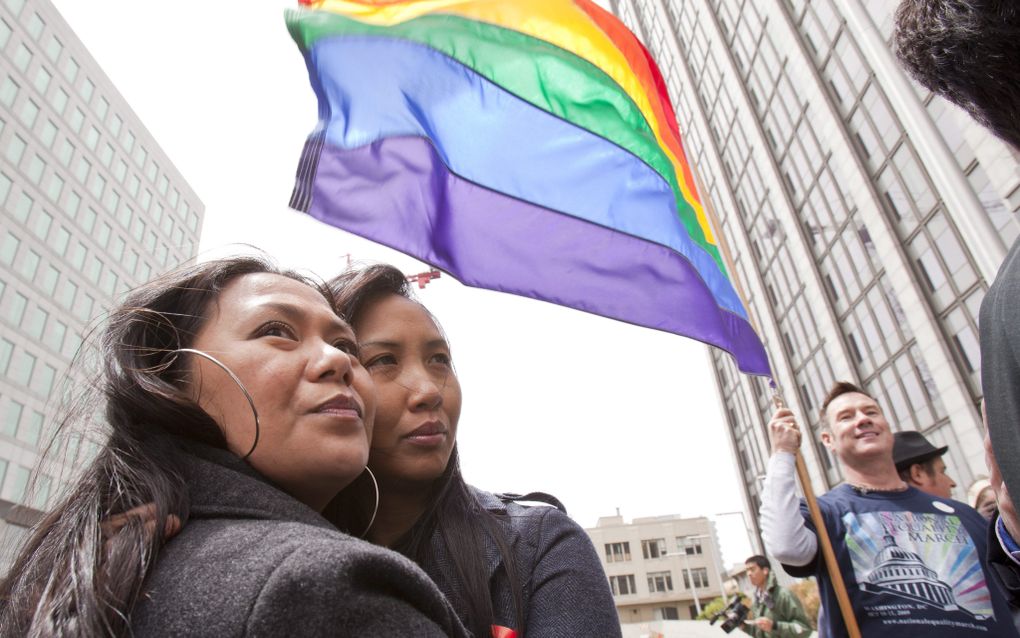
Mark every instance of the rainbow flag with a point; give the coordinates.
(525, 146)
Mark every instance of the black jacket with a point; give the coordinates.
(253, 561)
(563, 587)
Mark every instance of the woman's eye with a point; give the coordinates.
(348, 347)
(276, 329)
(443, 359)
(381, 361)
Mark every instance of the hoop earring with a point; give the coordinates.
(375, 511)
(251, 403)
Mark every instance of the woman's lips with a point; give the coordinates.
(430, 434)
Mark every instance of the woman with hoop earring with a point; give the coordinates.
(237, 407)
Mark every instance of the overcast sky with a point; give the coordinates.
(602, 414)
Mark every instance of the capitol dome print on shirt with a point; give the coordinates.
(922, 560)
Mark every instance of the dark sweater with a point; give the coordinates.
(253, 561)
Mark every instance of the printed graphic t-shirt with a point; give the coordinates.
(910, 562)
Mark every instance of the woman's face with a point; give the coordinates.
(418, 392)
(298, 360)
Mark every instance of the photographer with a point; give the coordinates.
(777, 611)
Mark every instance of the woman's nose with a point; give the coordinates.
(426, 392)
(334, 362)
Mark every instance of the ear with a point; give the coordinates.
(917, 474)
(827, 439)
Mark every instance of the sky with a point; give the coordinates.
(602, 414)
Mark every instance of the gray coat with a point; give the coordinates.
(253, 561)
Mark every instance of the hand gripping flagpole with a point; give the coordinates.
(824, 542)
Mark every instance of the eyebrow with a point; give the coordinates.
(295, 313)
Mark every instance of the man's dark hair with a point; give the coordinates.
(838, 389)
(928, 466)
(760, 561)
(967, 51)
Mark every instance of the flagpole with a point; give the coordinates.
(824, 542)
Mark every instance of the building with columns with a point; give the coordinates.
(864, 217)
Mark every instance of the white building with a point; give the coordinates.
(865, 217)
(91, 207)
(659, 567)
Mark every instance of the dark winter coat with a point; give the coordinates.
(564, 589)
(253, 561)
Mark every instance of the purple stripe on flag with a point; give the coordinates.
(398, 192)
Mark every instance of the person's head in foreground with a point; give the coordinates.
(967, 52)
(758, 569)
(920, 464)
(190, 359)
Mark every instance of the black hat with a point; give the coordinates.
(911, 447)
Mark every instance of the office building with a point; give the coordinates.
(91, 207)
(659, 567)
(864, 217)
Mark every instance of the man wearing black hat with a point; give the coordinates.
(920, 464)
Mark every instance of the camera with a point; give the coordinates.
(734, 613)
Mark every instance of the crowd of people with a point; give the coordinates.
(281, 460)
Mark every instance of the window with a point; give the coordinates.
(71, 204)
(97, 185)
(23, 208)
(55, 187)
(55, 337)
(6, 348)
(17, 481)
(11, 419)
(31, 429)
(102, 107)
(66, 152)
(115, 125)
(42, 80)
(42, 224)
(92, 137)
(68, 293)
(35, 169)
(5, 187)
(29, 264)
(668, 613)
(623, 585)
(15, 149)
(9, 248)
(22, 56)
(88, 87)
(76, 120)
(59, 101)
(106, 154)
(660, 581)
(48, 133)
(8, 91)
(653, 548)
(21, 371)
(35, 322)
(699, 575)
(60, 239)
(29, 112)
(688, 545)
(48, 279)
(35, 26)
(44, 378)
(5, 35)
(54, 48)
(88, 219)
(16, 305)
(617, 552)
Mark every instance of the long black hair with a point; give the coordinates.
(452, 511)
(67, 579)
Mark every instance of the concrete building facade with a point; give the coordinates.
(864, 217)
(659, 567)
(91, 207)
